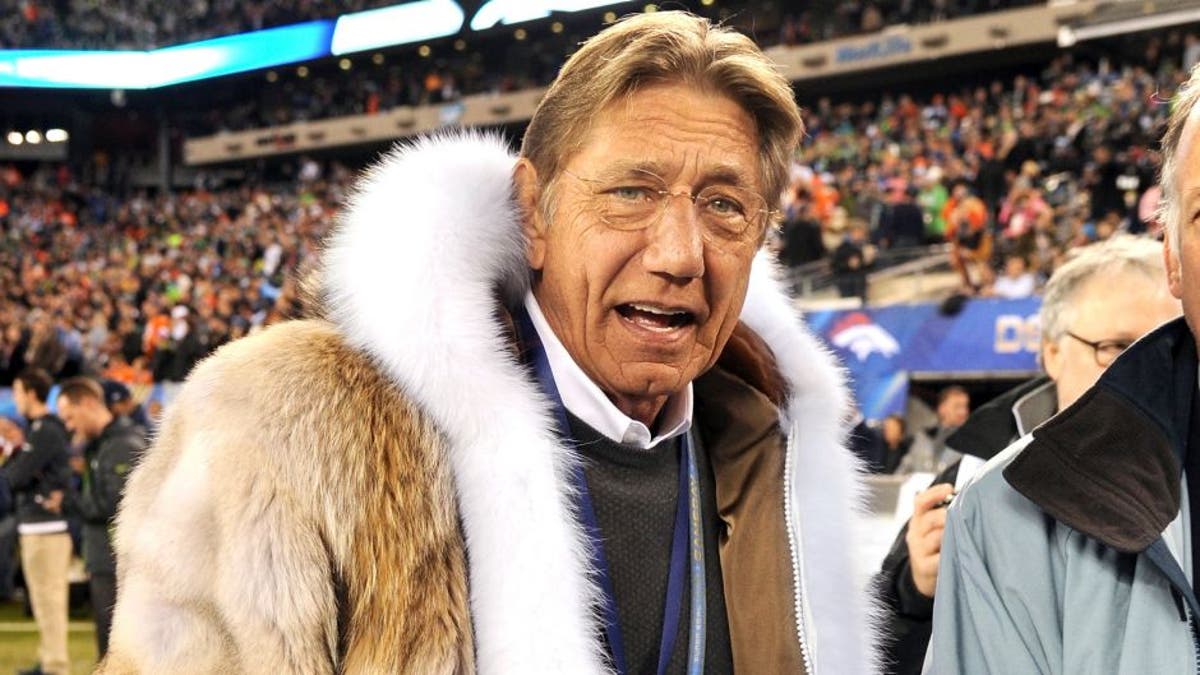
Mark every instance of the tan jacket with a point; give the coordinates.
(382, 490)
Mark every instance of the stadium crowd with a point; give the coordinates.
(448, 72)
(144, 24)
(140, 288)
(1026, 169)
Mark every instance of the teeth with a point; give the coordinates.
(654, 310)
(656, 329)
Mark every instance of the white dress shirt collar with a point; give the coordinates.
(584, 399)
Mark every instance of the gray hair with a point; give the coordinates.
(1120, 253)
(1169, 206)
(665, 47)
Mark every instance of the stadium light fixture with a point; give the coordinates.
(398, 24)
(90, 69)
(271, 48)
(56, 135)
(33, 137)
(15, 138)
(520, 34)
(508, 12)
(344, 64)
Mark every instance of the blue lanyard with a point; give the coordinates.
(687, 544)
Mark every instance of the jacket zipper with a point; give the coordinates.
(793, 529)
(1191, 622)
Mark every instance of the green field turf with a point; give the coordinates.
(19, 640)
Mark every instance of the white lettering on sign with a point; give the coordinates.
(1015, 333)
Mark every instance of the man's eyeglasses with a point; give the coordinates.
(1104, 351)
(634, 203)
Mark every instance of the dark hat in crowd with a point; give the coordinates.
(115, 392)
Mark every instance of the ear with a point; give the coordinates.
(1052, 358)
(528, 192)
(1171, 260)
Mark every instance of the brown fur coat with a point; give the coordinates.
(382, 491)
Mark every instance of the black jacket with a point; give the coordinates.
(110, 457)
(990, 429)
(38, 468)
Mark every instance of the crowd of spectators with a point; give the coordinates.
(146, 24)
(444, 74)
(378, 84)
(501, 64)
(828, 19)
(138, 289)
(1010, 174)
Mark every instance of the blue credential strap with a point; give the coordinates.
(687, 541)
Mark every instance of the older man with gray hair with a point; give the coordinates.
(1074, 550)
(553, 419)
(1096, 305)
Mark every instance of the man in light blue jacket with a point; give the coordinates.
(1072, 551)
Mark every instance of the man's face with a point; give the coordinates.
(78, 416)
(1118, 308)
(1015, 266)
(645, 312)
(893, 431)
(19, 398)
(953, 411)
(1183, 266)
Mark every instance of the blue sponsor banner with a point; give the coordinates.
(8, 407)
(881, 346)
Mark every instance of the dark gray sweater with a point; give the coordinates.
(634, 494)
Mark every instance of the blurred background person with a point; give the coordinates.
(1096, 305)
(970, 239)
(896, 442)
(928, 452)
(852, 259)
(113, 445)
(37, 473)
(1017, 281)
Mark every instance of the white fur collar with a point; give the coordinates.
(410, 277)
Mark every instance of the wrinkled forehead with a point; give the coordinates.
(1120, 302)
(664, 130)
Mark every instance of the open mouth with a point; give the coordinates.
(654, 317)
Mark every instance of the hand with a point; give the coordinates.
(924, 538)
(11, 433)
(53, 501)
(77, 464)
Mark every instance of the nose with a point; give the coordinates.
(675, 244)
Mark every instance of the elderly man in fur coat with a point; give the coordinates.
(554, 417)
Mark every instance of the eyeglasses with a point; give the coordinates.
(1104, 351)
(637, 202)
